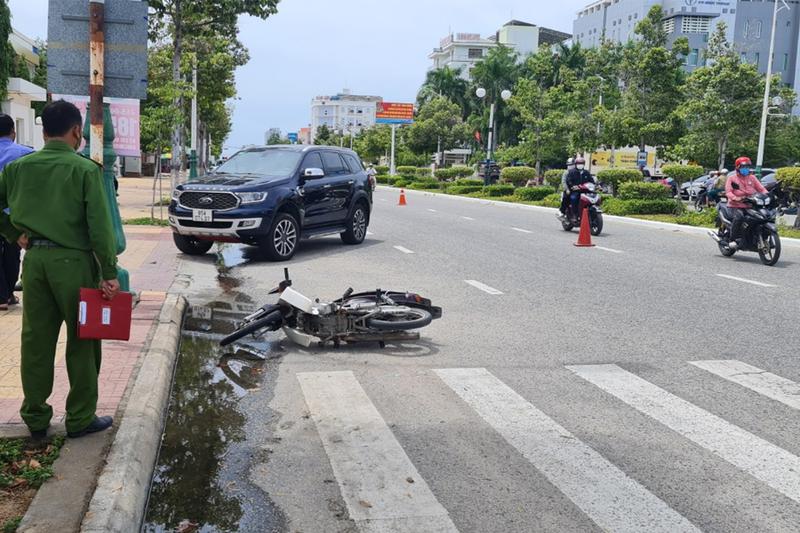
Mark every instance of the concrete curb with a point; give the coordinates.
(694, 230)
(122, 489)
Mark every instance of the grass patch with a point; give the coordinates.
(11, 525)
(789, 232)
(165, 201)
(144, 221)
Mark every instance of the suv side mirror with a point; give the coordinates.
(313, 173)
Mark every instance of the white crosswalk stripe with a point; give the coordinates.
(609, 497)
(765, 383)
(383, 490)
(768, 463)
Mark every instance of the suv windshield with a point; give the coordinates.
(267, 162)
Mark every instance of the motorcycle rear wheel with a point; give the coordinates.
(770, 256)
(411, 319)
(273, 321)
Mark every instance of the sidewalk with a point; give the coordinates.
(152, 261)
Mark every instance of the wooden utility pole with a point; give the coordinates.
(96, 78)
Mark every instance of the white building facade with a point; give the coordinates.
(344, 112)
(748, 22)
(22, 93)
(461, 51)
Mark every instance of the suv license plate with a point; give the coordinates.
(203, 215)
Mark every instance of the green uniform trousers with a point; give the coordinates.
(51, 281)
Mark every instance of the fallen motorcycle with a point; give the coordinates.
(376, 316)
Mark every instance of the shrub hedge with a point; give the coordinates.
(464, 189)
(517, 176)
(534, 194)
(790, 176)
(469, 182)
(616, 176)
(639, 190)
(455, 172)
(406, 169)
(551, 200)
(553, 177)
(429, 184)
(400, 182)
(423, 172)
(384, 179)
(381, 169)
(499, 190)
(683, 172)
(619, 207)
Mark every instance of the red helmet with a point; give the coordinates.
(743, 161)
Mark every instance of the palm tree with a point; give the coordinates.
(445, 82)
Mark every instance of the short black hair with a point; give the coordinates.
(59, 117)
(6, 125)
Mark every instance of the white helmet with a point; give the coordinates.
(570, 161)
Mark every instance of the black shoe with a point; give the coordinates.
(39, 434)
(99, 423)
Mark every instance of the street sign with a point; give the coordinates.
(292, 137)
(125, 48)
(394, 113)
(642, 158)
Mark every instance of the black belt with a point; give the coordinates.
(43, 243)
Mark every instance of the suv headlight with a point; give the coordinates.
(251, 197)
(176, 194)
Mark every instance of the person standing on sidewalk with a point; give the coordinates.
(60, 215)
(9, 251)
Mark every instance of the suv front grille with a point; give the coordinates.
(219, 201)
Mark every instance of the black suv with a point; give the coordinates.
(273, 196)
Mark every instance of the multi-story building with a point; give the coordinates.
(344, 112)
(748, 21)
(22, 93)
(463, 50)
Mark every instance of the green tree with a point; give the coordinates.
(275, 139)
(497, 72)
(323, 135)
(652, 76)
(375, 142)
(9, 57)
(438, 125)
(198, 20)
(445, 82)
(722, 103)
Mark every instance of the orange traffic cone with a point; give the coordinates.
(585, 236)
(402, 197)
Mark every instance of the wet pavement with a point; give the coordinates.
(201, 481)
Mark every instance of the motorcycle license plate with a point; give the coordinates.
(203, 215)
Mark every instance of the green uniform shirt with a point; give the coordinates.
(58, 195)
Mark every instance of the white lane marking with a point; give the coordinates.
(765, 383)
(483, 287)
(378, 482)
(614, 501)
(384, 200)
(743, 280)
(403, 249)
(468, 218)
(433, 210)
(521, 230)
(613, 251)
(763, 460)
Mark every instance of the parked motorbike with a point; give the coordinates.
(759, 232)
(782, 198)
(377, 316)
(589, 198)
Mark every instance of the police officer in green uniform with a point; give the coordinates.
(59, 214)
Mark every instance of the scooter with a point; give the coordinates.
(377, 316)
(758, 234)
(591, 199)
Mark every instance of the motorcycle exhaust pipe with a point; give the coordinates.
(714, 235)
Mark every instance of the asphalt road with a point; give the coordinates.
(565, 389)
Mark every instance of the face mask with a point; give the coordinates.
(581, 167)
(744, 171)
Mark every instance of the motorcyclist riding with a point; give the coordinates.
(575, 178)
(741, 185)
(564, 192)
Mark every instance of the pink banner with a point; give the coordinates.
(124, 117)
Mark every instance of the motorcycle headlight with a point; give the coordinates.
(251, 197)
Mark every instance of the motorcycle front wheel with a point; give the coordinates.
(771, 252)
(597, 224)
(410, 318)
(272, 321)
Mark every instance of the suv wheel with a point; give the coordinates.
(190, 245)
(281, 242)
(356, 226)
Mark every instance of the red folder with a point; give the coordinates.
(99, 318)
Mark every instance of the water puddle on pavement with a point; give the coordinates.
(200, 483)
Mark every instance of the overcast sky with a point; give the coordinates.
(314, 47)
